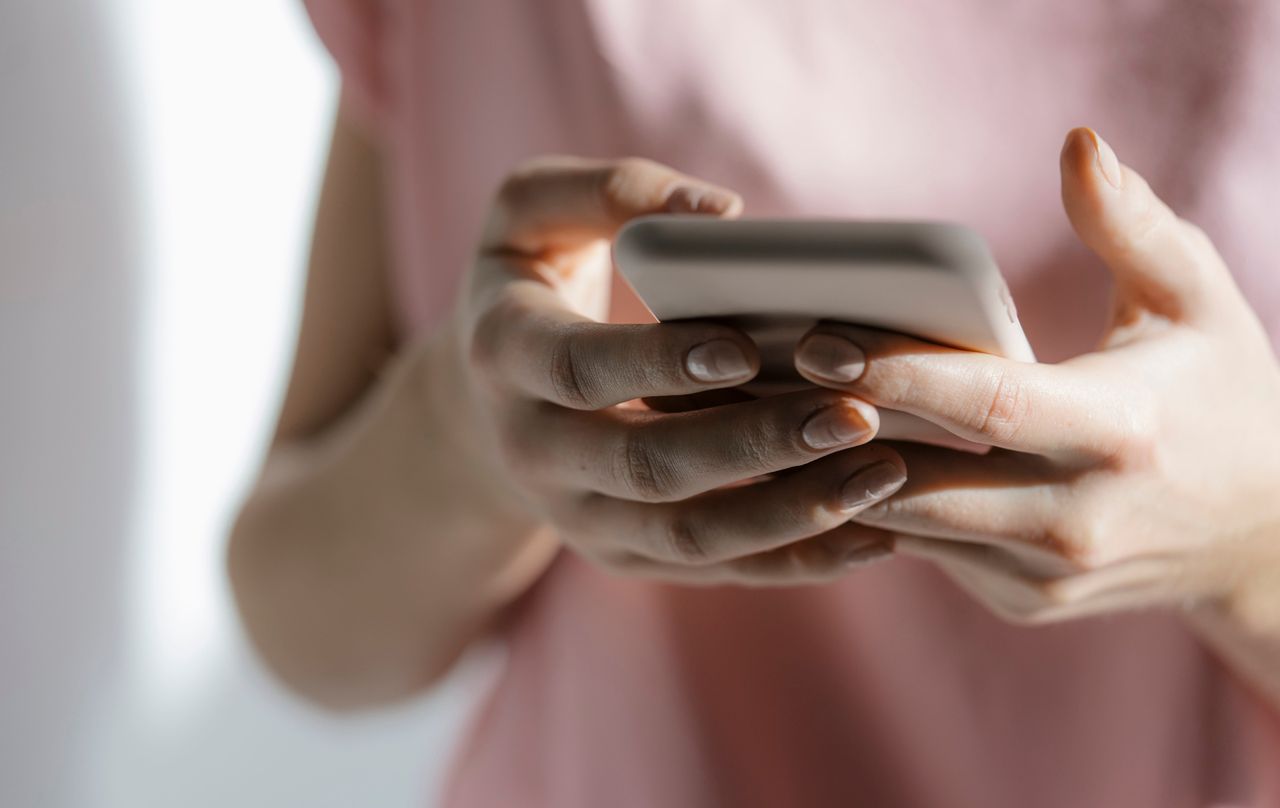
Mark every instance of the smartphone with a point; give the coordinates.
(776, 278)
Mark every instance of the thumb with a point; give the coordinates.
(552, 204)
(1162, 264)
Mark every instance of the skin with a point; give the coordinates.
(1143, 474)
(412, 493)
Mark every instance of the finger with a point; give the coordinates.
(563, 203)
(1008, 589)
(745, 520)
(1143, 580)
(698, 401)
(986, 573)
(1005, 500)
(820, 559)
(530, 342)
(657, 457)
(1047, 409)
(1162, 264)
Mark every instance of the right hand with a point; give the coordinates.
(555, 393)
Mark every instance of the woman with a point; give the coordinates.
(456, 454)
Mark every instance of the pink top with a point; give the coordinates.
(890, 687)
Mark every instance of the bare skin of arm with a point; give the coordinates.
(334, 571)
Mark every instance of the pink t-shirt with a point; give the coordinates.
(891, 687)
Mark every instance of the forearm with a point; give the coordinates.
(368, 557)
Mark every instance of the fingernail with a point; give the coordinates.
(871, 484)
(1106, 160)
(838, 425)
(719, 360)
(694, 199)
(830, 357)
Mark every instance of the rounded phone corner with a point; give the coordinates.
(638, 240)
(958, 247)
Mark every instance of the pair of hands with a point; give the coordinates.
(1145, 472)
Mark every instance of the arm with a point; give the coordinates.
(332, 558)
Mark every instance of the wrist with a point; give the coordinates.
(444, 393)
(508, 534)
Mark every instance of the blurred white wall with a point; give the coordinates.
(158, 160)
(69, 302)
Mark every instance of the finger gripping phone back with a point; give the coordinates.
(776, 278)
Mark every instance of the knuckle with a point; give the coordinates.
(891, 380)
(489, 336)
(686, 540)
(764, 441)
(1138, 446)
(1003, 413)
(756, 444)
(615, 183)
(1128, 434)
(904, 381)
(570, 375)
(645, 472)
(1078, 534)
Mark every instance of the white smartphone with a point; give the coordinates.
(775, 278)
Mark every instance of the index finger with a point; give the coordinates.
(529, 334)
(528, 340)
(1045, 409)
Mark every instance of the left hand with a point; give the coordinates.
(1145, 472)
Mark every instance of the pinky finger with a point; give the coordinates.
(1005, 586)
(819, 559)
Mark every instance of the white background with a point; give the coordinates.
(158, 162)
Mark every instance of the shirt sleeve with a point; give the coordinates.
(351, 31)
